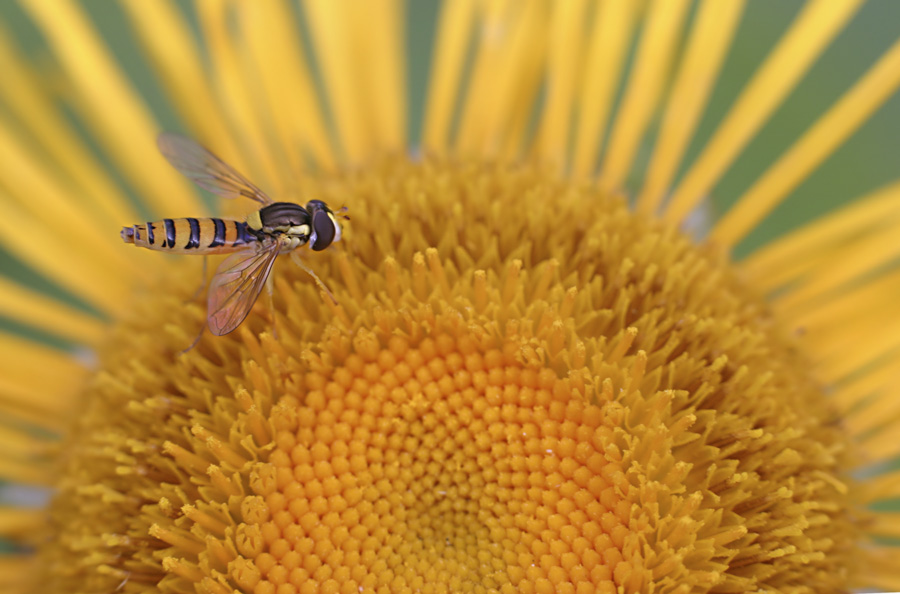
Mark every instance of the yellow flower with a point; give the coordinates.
(527, 385)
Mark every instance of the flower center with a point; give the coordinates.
(524, 387)
(451, 462)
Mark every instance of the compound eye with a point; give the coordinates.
(323, 231)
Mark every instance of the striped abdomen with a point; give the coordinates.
(190, 236)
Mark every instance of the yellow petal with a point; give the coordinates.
(231, 71)
(383, 80)
(178, 65)
(818, 143)
(18, 521)
(610, 36)
(49, 315)
(48, 126)
(454, 30)
(877, 382)
(336, 28)
(26, 385)
(707, 47)
(870, 343)
(80, 270)
(849, 264)
(818, 23)
(28, 175)
(22, 446)
(26, 472)
(510, 49)
(871, 421)
(796, 254)
(273, 41)
(869, 300)
(564, 55)
(661, 34)
(117, 116)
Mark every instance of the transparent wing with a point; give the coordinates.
(235, 287)
(207, 170)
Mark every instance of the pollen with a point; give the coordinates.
(523, 387)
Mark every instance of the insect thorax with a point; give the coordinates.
(282, 218)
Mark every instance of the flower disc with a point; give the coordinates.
(525, 387)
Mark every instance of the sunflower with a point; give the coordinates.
(545, 369)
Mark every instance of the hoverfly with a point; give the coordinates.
(254, 244)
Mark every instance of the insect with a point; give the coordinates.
(254, 243)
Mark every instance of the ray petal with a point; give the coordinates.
(870, 344)
(25, 383)
(48, 126)
(28, 176)
(454, 29)
(710, 38)
(81, 271)
(384, 80)
(878, 381)
(818, 23)
(236, 79)
(273, 40)
(788, 258)
(49, 315)
(564, 55)
(816, 145)
(15, 521)
(610, 37)
(659, 40)
(333, 25)
(510, 50)
(25, 472)
(853, 262)
(121, 121)
(176, 60)
(497, 23)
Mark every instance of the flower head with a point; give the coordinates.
(526, 383)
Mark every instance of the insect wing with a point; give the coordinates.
(207, 170)
(235, 287)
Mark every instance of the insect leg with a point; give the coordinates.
(196, 340)
(299, 262)
(270, 290)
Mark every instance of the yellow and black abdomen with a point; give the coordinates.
(190, 236)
